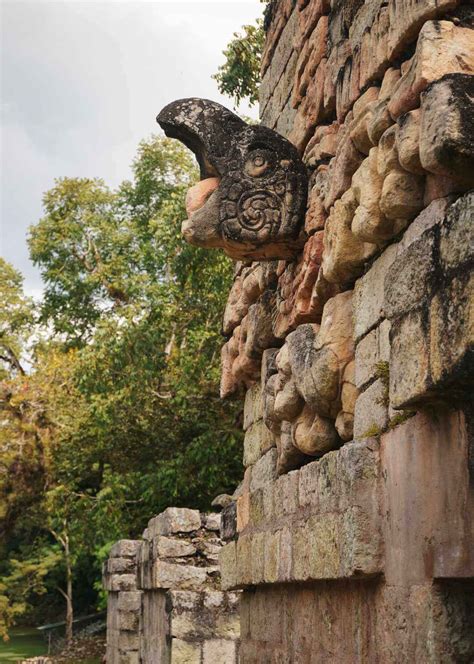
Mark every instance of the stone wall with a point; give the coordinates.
(165, 605)
(124, 602)
(353, 532)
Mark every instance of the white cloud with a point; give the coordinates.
(82, 83)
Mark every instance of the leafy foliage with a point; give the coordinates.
(118, 415)
(16, 320)
(239, 76)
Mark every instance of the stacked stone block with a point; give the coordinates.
(176, 612)
(123, 603)
(358, 406)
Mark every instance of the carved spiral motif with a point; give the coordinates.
(258, 209)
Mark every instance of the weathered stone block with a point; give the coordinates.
(429, 499)
(344, 254)
(129, 600)
(401, 196)
(410, 279)
(244, 561)
(128, 621)
(219, 650)
(212, 522)
(361, 542)
(253, 406)
(316, 551)
(175, 520)
(120, 565)
(308, 485)
(457, 234)
(408, 142)
(271, 555)
(258, 557)
(185, 652)
(371, 410)
(258, 440)
(452, 337)
(184, 577)
(285, 492)
(229, 521)
(341, 169)
(442, 48)
(279, 60)
(124, 549)
(228, 566)
(286, 555)
(371, 351)
(119, 582)
(264, 471)
(408, 16)
(127, 641)
(214, 599)
(447, 127)
(328, 498)
(369, 294)
(409, 360)
(184, 600)
(170, 547)
(243, 511)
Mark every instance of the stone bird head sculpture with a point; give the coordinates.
(251, 199)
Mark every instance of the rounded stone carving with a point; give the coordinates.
(256, 211)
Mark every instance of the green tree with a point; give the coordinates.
(239, 76)
(117, 415)
(16, 320)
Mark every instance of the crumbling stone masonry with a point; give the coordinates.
(165, 605)
(349, 330)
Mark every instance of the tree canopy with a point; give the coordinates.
(115, 415)
(239, 76)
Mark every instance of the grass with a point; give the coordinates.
(27, 642)
(24, 642)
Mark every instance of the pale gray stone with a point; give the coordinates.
(219, 650)
(118, 582)
(253, 406)
(171, 547)
(185, 600)
(121, 566)
(124, 549)
(129, 600)
(182, 577)
(258, 439)
(371, 411)
(212, 522)
(265, 470)
(372, 350)
(369, 294)
(175, 520)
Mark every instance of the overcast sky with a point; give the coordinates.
(81, 84)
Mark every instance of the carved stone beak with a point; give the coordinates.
(206, 128)
(251, 198)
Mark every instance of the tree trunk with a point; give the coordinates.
(68, 595)
(64, 541)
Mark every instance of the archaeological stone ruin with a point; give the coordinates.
(165, 602)
(349, 338)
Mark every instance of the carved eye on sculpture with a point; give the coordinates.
(259, 162)
(253, 191)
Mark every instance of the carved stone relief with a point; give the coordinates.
(252, 196)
